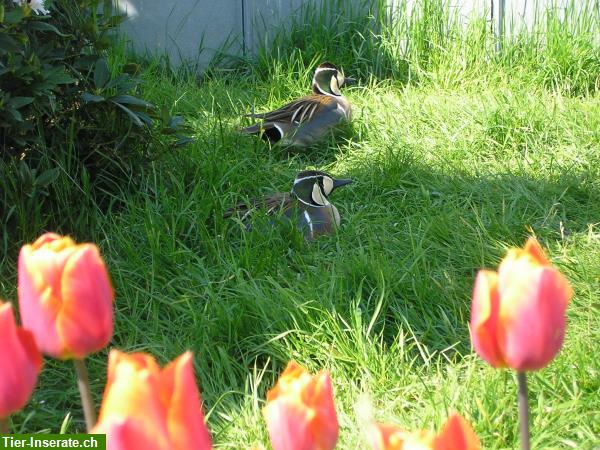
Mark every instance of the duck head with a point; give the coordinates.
(328, 80)
(312, 187)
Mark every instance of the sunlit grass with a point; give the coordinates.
(456, 152)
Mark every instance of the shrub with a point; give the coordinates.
(63, 105)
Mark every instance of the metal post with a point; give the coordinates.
(500, 35)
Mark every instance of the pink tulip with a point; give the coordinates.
(457, 434)
(65, 296)
(300, 412)
(518, 313)
(20, 363)
(146, 407)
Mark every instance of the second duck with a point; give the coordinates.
(307, 204)
(307, 120)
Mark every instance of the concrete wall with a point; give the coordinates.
(198, 30)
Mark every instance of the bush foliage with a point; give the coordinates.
(62, 106)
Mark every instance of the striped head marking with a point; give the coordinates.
(312, 187)
(328, 80)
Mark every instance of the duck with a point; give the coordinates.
(307, 120)
(307, 204)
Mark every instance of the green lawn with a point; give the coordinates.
(450, 168)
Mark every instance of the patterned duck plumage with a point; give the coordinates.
(307, 204)
(308, 119)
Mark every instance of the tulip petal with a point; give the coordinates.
(457, 434)
(518, 315)
(386, 437)
(85, 321)
(39, 296)
(486, 329)
(132, 385)
(185, 419)
(300, 411)
(129, 434)
(20, 360)
(163, 404)
(534, 311)
(288, 426)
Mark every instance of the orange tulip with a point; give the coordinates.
(457, 434)
(20, 361)
(518, 313)
(300, 413)
(65, 296)
(146, 407)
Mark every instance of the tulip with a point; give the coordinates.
(65, 296)
(518, 313)
(457, 434)
(20, 361)
(300, 412)
(146, 407)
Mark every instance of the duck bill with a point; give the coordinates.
(341, 182)
(349, 81)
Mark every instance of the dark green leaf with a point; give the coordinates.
(16, 114)
(8, 44)
(133, 116)
(19, 102)
(101, 73)
(91, 98)
(47, 177)
(176, 122)
(145, 118)
(44, 26)
(15, 15)
(183, 140)
(58, 76)
(131, 100)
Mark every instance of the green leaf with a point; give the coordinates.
(15, 15)
(58, 76)
(145, 118)
(131, 100)
(19, 102)
(44, 26)
(176, 122)
(91, 98)
(1, 13)
(8, 44)
(183, 140)
(101, 73)
(16, 114)
(133, 116)
(48, 177)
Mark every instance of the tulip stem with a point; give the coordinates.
(86, 394)
(4, 426)
(523, 410)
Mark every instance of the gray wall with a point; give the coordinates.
(196, 30)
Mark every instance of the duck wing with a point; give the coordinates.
(272, 204)
(297, 111)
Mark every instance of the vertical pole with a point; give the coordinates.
(243, 27)
(500, 35)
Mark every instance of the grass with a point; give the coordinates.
(457, 153)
